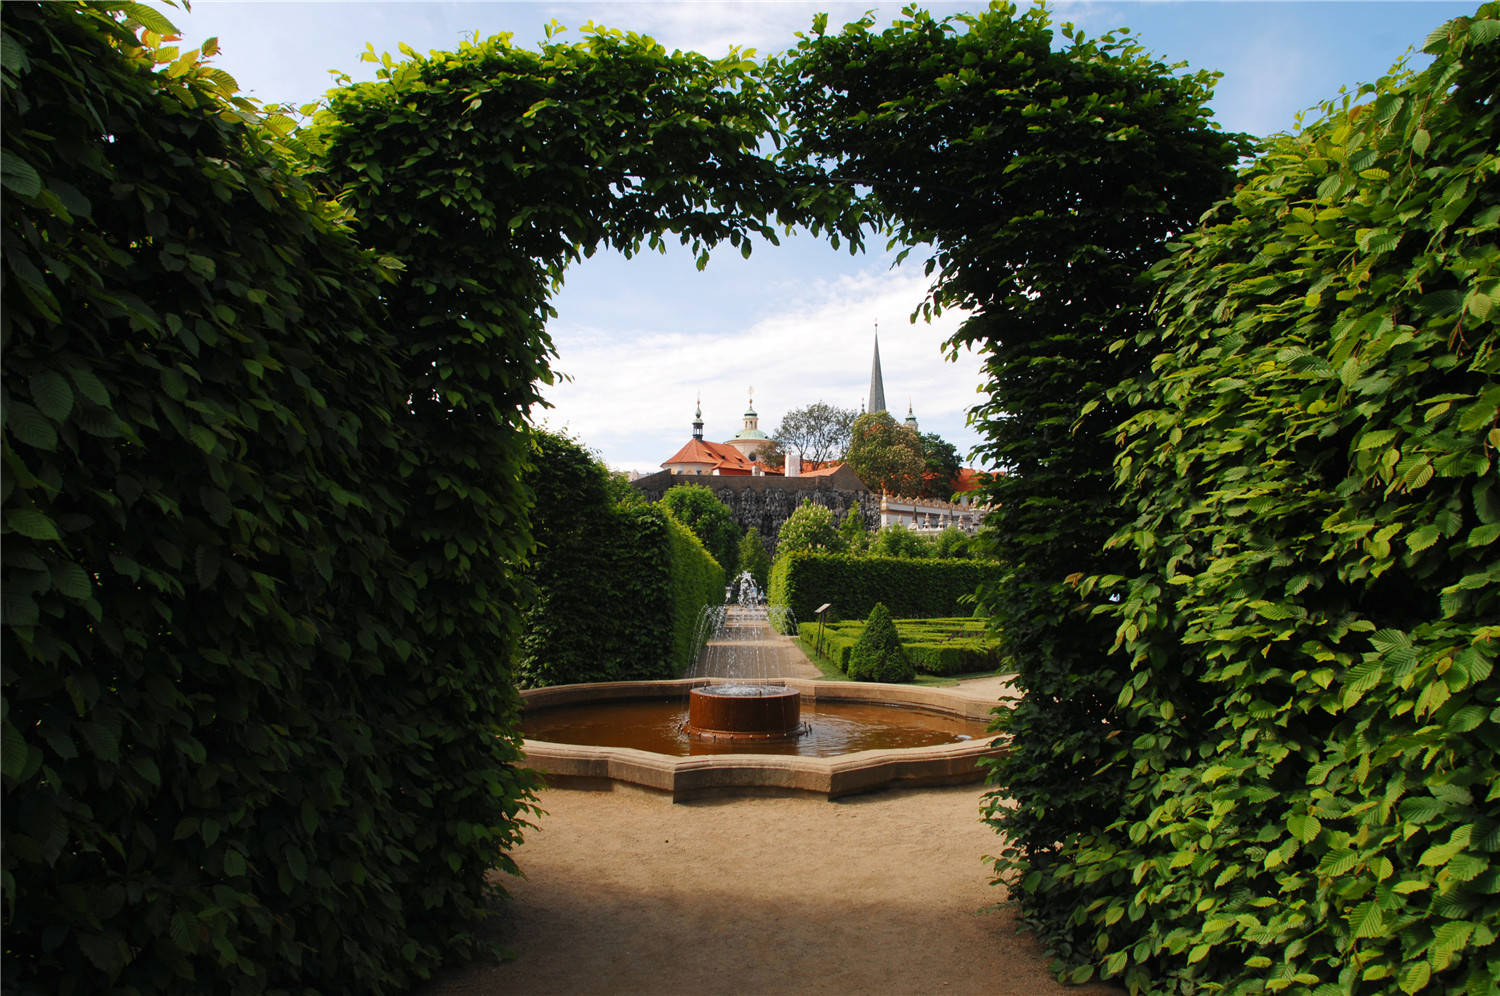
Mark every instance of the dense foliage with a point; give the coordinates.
(909, 588)
(941, 467)
(878, 654)
(247, 745)
(1302, 790)
(895, 540)
(886, 456)
(696, 507)
(618, 588)
(809, 528)
(853, 531)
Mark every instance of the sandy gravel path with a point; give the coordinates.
(884, 894)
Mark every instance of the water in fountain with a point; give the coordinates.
(741, 641)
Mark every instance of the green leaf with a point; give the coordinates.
(103, 741)
(296, 863)
(31, 523)
(206, 560)
(1484, 30)
(90, 386)
(203, 437)
(14, 754)
(1367, 920)
(72, 581)
(149, 17)
(1304, 826)
(18, 175)
(106, 953)
(1415, 976)
(30, 426)
(52, 395)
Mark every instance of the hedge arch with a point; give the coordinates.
(264, 500)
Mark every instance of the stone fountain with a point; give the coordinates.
(751, 706)
(784, 755)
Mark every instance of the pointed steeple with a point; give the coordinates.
(911, 420)
(877, 383)
(698, 420)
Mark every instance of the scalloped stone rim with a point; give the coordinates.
(580, 766)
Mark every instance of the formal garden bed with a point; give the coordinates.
(944, 649)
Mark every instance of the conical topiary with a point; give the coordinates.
(880, 655)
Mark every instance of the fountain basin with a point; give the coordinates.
(745, 713)
(737, 774)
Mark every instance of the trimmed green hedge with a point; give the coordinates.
(939, 647)
(258, 712)
(803, 581)
(610, 581)
(1287, 778)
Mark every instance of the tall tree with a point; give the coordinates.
(810, 527)
(820, 431)
(887, 456)
(755, 559)
(941, 467)
(710, 520)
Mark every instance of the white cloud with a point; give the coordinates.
(632, 395)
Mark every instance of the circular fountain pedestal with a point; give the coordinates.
(745, 713)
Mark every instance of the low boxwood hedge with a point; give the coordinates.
(939, 647)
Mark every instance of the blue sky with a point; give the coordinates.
(641, 339)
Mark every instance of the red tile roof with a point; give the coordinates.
(724, 459)
(826, 469)
(970, 479)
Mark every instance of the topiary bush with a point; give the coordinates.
(939, 647)
(879, 655)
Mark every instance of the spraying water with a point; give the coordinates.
(739, 642)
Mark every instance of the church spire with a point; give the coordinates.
(698, 420)
(877, 383)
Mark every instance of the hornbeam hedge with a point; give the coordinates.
(1303, 793)
(618, 590)
(236, 757)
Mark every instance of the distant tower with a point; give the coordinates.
(911, 420)
(698, 420)
(750, 440)
(877, 383)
